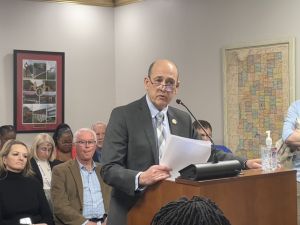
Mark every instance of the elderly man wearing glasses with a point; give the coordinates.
(78, 193)
(135, 139)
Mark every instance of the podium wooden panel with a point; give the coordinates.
(252, 198)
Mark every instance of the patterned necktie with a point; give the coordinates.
(160, 132)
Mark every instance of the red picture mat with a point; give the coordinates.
(38, 58)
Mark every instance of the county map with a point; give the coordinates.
(257, 96)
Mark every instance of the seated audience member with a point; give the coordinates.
(78, 193)
(7, 132)
(208, 130)
(99, 129)
(197, 211)
(21, 195)
(63, 137)
(43, 161)
(291, 137)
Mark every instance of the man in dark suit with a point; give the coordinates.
(130, 153)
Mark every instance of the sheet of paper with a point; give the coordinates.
(180, 152)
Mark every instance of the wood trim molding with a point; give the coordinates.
(105, 3)
(124, 2)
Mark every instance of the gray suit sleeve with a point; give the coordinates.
(114, 155)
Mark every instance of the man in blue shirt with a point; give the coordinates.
(78, 192)
(291, 136)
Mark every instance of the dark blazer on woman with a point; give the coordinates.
(36, 170)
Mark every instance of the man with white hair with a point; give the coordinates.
(78, 192)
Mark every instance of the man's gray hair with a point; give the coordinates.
(83, 130)
(98, 123)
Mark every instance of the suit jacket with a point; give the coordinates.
(97, 155)
(67, 193)
(130, 147)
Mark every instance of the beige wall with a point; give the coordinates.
(108, 50)
(84, 33)
(193, 33)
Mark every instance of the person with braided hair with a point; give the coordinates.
(196, 211)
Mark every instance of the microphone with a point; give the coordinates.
(213, 148)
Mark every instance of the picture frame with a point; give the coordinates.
(38, 90)
(259, 85)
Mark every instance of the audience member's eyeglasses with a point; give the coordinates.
(85, 143)
(168, 84)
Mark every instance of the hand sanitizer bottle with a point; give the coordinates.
(269, 140)
(273, 152)
(266, 153)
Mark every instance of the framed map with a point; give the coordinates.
(259, 85)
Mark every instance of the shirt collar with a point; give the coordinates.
(153, 109)
(81, 166)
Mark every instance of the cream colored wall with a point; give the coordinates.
(84, 33)
(193, 33)
(108, 50)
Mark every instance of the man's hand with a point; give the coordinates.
(154, 174)
(253, 163)
(91, 223)
(294, 138)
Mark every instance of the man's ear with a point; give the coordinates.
(177, 86)
(146, 81)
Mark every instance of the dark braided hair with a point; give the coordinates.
(197, 211)
(60, 130)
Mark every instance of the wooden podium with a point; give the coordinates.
(252, 198)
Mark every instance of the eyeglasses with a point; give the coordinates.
(85, 143)
(168, 84)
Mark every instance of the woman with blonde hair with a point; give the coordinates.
(43, 150)
(22, 196)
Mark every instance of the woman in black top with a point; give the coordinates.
(21, 195)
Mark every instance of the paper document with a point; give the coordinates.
(180, 152)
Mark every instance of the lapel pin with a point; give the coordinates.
(174, 121)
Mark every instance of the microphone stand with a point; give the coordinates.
(213, 147)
